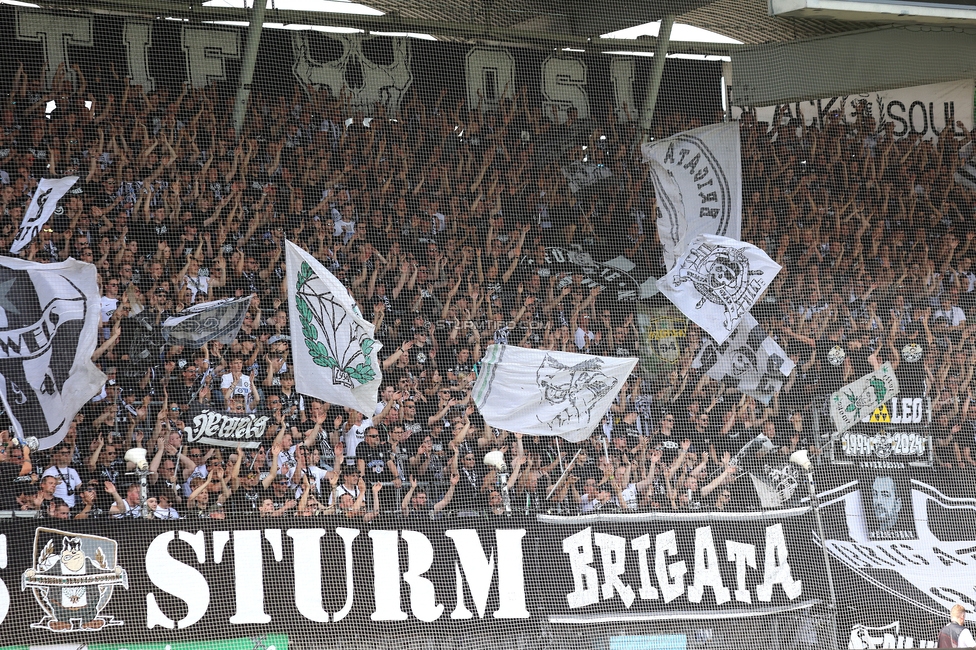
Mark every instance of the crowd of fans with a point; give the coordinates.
(443, 239)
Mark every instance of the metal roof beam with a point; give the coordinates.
(469, 32)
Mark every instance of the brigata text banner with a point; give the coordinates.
(105, 581)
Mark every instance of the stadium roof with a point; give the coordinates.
(548, 23)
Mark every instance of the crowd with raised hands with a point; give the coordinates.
(444, 240)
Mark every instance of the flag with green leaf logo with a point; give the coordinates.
(859, 398)
(334, 347)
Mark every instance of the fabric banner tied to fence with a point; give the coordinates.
(106, 581)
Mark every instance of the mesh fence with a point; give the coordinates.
(472, 200)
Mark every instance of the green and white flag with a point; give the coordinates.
(333, 346)
(858, 399)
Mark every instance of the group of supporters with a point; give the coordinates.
(440, 219)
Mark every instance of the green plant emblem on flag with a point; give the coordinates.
(320, 354)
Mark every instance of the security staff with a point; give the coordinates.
(955, 634)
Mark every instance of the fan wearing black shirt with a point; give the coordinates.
(415, 503)
(375, 463)
(249, 492)
(628, 429)
(410, 422)
(10, 471)
(666, 438)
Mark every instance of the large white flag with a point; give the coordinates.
(333, 346)
(697, 178)
(859, 398)
(49, 192)
(49, 315)
(749, 361)
(546, 393)
(716, 281)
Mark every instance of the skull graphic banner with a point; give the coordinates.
(717, 281)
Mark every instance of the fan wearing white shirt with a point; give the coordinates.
(237, 383)
(356, 432)
(68, 479)
(164, 508)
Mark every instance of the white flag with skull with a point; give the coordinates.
(697, 178)
(45, 201)
(335, 351)
(547, 393)
(749, 361)
(49, 315)
(718, 280)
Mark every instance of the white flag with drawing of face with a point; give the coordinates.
(547, 393)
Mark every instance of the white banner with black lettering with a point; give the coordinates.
(223, 430)
(717, 281)
(49, 315)
(547, 393)
(750, 361)
(49, 191)
(860, 397)
(913, 111)
(697, 178)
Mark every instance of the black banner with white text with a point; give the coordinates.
(132, 580)
(373, 69)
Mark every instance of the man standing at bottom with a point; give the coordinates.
(955, 634)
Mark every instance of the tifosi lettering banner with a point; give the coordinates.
(45, 201)
(49, 317)
(129, 582)
(386, 70)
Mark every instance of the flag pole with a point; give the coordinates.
(562, 477)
